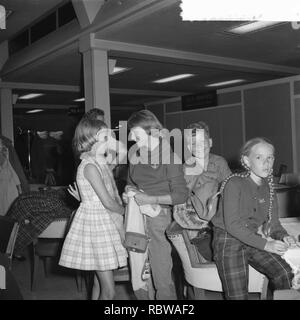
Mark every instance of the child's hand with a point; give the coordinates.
(124, 194)
(125, 197)
(276, 246)
(142, 198)
(74, 191)
(289, 240)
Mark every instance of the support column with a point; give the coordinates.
(6, 113)
(96, 77)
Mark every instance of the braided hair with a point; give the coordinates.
(245, 151)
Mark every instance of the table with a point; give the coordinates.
(288, 200)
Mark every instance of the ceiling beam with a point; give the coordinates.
(209, 60)
(66, 88)
(59, 42)
(157, 93)
(44, 106)
(142, 9)
(39, 86)
(86, 11)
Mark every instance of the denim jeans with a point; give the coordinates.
(160, 255)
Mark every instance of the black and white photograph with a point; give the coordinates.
(149, 152)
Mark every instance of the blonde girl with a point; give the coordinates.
(247, 229)
(94, 241)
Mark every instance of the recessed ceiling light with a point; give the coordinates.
(79, 100)
(31, 96)
(35, 111)
(119, 70)
(224, 83)
(174, 78)
(253, 26)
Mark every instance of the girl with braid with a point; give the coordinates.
(247, 228)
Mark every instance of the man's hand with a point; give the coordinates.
(74, 191)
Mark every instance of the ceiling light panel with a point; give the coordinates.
(119, 70)
(225, 83)
(30, 96)
(35, 111)
(174, 78)
(253, 26)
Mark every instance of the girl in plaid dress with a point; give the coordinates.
(247, 229)
(94, 241)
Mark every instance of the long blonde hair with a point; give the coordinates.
(245, 151)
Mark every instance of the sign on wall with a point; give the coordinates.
(199, 100)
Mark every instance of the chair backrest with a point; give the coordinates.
(8, 235)
(196, 259)
(56, 229)
(203, 274)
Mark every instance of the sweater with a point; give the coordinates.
(244, 208)
(160, 179)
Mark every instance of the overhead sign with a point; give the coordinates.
(199, 100)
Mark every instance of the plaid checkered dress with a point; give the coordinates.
(93, 242)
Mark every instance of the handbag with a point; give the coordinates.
(203, 243)
(136, 242)
(200, 206)
(136, 239)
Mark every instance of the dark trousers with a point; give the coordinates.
(160, 255)
(233, 258)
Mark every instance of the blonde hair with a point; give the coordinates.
(245, 151)
(86, 134)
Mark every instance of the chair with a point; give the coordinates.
(8, 235)
(203, 275)
(122, 274)
(48, 245)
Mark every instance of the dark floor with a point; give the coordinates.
(60, 284)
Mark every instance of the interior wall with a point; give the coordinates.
(270, 109)
(268, 114)
(227, 135)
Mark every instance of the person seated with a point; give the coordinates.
(247, 230)
(204, 173)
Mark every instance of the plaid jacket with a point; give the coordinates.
(35, 211)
